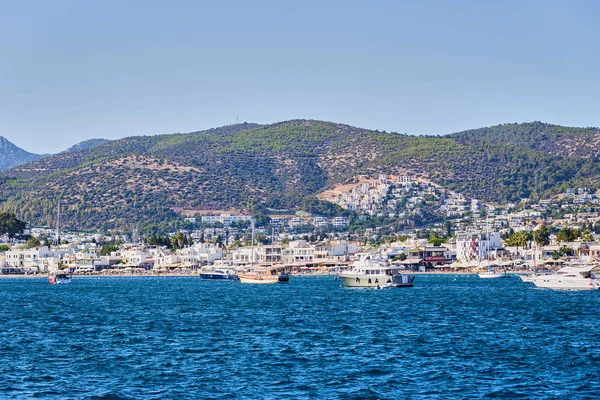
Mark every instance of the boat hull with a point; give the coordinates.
(527, 278)
(60, 281)
(365, 281)
(554, 282)
(493, 275)
(259, 279)
(217, 277)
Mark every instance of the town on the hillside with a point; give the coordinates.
(469, 234)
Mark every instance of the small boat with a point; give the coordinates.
(264, 276)
(493, 275)
(369, 273)
(585, 277)
(59, 278)
(215, 274)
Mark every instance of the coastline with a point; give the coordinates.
(45, 276)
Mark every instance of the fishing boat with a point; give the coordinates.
(367, 272)
(584, 277)
(217, 274)
(59, 278)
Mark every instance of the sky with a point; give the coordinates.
(75, 70)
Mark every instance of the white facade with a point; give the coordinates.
(225, 219)
(298, 252)
(26, 258)
(136, 256)
(476, 246)
(200, 253)
(340, 222)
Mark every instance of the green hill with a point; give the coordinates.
(86, 144)
(156, 179)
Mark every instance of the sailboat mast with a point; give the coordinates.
(272, 243)
(252, 253)
(58, 224)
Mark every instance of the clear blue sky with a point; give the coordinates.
(74, 70)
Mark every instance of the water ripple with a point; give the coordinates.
(155, 338)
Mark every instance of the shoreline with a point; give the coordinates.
(45, 276)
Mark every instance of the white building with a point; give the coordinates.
(136, 256)
(321, 221)
(476, 246)
(200, 253)
(27, 258)
(225, 219)
(298, 252)
(340, 222)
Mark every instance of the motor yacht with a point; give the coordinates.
(585, 277)
(370, 273)
(217, 274)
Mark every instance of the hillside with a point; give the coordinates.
(11, 155)
(156, 179)
(86, 145)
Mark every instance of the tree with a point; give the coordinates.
(108, 248)
(448, 226)
(436, 241)
(567, 235)
(178, 240)
(11, 225)
(519, 239)
(586, 236)
(32, 242)
(566, 250)
(400, 257)
(542, 236)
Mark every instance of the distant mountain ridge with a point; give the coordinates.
(86, 145)
(12, 155)
(155, 180)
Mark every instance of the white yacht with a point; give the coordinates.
(217, 274)
(493, 275)
(369, 273)
(585, 277)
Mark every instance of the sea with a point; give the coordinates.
(451, 336)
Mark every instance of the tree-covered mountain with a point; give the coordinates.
(86, 145)
(157, 179)
(11, 155)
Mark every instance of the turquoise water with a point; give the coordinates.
(153, 338)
